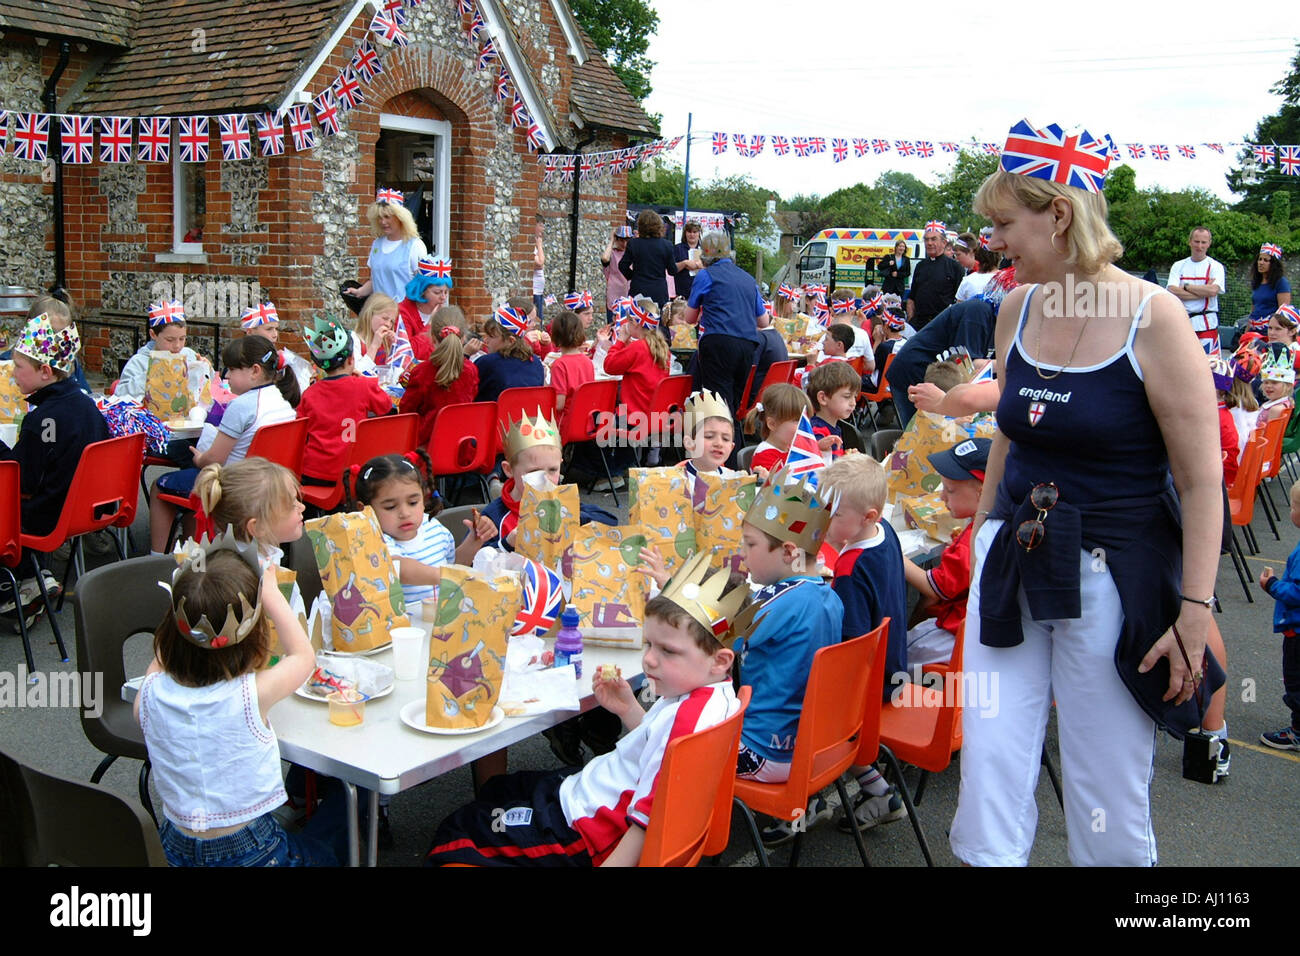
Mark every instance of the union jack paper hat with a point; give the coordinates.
(985, 234)
(841, 306)
(436, 268)
(936, 225)
(785, 292)
(644, 317)
(623, 232)
(874, 304)
(1080, 160)
(258, 315)
(578, 301)
(1291, 312)
(166, 312)
(392, 197)
(511, 319)
(1278, 368)
(329, 342)
(1271, 249)
(895, 321)
(701, 594)
(789, 509)
(44, 344)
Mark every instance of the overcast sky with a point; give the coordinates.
(1191, 72)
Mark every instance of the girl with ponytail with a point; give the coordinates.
(447, 378)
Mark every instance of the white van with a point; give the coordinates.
(847, 258)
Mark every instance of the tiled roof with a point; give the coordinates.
(247, 61)
(601, 99)
(101, 21)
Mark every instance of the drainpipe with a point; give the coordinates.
(573, 215)
(51, 100)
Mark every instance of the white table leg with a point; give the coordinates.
(354, 851)
(372, 856)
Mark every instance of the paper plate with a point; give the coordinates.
(413, 716)
(304, 693)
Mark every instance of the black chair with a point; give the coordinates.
(453, 519)
(882, 442)
(745, 457)
(852, 440)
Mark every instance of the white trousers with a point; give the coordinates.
(1107, 742)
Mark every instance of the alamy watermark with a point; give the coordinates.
(209, 298)
(970, 689)
(59, 689)
(1086, 299)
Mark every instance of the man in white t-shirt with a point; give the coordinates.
(1198, 281)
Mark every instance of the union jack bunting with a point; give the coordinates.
(536, 139)
(1288, 160)
(4, 130)
(1078, 160)
(395, 9)
(31, 136)
(486, 55)
(924, 148)
(327, 112)
(347, 90)
(1217, 147)
(549, 165)
(304, 137)
(936, 225)
(270, 134)
(785, 292)
(518, 113)
(193, 139)
(719, 143)
(434, 267)
(1159, 152)
(840, 149)
(804, 457)
(466, 7)
(880, 146)
(801, 146)
(155, 139)
(860, 147)
(511, 320)
(365, 62)
(949, 147)
(755, 145)
(1271, 249)
(992, 148)
(903, 147)
(738, 141)
(114, 139)
(503, 85)
(565, 166)
(476, 26)
(388, 30)
(165, 312)
(393, 197)
(1137, 150)
(1263, 154)
(817, 144)
(262, 314)
(236, 144)
(1187, 152)
(542, 599)
(77, 137)
(780, 145)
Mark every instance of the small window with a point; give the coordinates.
(189, 202)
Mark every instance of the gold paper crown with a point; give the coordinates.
(527, 433)
(789, 509)
(194, 556)
(699, 594)
(702, 405)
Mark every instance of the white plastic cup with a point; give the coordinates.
(408, 642)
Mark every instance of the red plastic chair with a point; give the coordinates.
(663, 418)
(462, 441)
(514, 403)
(385, 435)
(593, 404)
(102, 494)
(778, 373)
(11, 551)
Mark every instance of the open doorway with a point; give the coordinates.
(414, 155)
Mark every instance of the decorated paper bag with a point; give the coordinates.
(467, 647)
(908, 472)
(685, 337)
(548, 520)
(659, 500)
(931, 515)
(792, 328)
(719, 515)
(13, 404)
(288, 582)
(167, 386)
(358, 578)
(608, 593)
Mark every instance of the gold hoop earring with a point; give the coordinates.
(1055, 236)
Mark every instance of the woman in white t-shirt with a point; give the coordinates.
(396, 252)
(978, 262)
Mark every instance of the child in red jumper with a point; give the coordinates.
(448, 378)
(640, 354)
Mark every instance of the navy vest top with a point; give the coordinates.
(1090, 430)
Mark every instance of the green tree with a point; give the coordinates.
(951, 200)
(621, 30)
(903, 199)
(1281, 127)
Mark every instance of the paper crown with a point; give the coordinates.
(194, 556)
(329, 342)
(702, 405)
(1080, 160)
(644, 317)
(790, 510)
(43, 343)
(1271, 249)
(526, 433)
(392, 197)
(511, 319)
(700, 594)
(166, 312)
(436, 268)
(259, 315)
(1278, 367)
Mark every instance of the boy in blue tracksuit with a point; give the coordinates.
(1286, 621)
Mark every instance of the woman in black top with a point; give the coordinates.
(648, 260)
(895, 270)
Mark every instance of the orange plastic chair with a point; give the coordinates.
(692, 808)
(826, 743)
(592, 404)
(1273, 432)
(880, 395)
(462, 442)
(922, 726)
(778, 373)
(1241, 508)
(384, 435)
(11, 551)
(102, 494)
(514, 403)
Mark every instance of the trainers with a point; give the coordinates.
(1284, 739)
(783, 831)
(870, 810)
(1225, 756)
(605, 485)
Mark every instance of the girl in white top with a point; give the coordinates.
(203, 709)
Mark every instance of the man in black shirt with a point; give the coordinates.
(934, 280)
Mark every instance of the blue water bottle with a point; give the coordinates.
(568, 642)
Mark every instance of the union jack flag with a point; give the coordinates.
(365, 62)
(903, 147)
(949, 147)
(785, 292)
(536, 140)
(236, 144)
(549, 299)
(347, 90)
(780, 145)
(817, 144)
(503, 85)
(304, 137)
(1187, 152)
(476, 26)
(821, 313)
(860, 147)
(1137, 150)
(801, 146)
(1288, 160)
(165, 312)
(719, 143)
(840, 149)
(804, 457)
(388, 30)
(577, 301)
(114, 139)
(1217, 147)
(1263, 154)
(511, 319)
(401, 355)
(1079, 160)
(768, 307)
(437, 268)
(31, 136)
(1159, 152)
(327, 112)
(992, 148)
(988, 373)
(155, 139)
(78, 139)
(193, 139)
(270, 134)
(880, 146)
(486, 55)
(541, 604)
(924, 148)
(518, 113)
(261, 314)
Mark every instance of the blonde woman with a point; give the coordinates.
(396, 250)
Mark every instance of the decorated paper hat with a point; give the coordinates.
(623, 232)
(1290, 312)
(259, 315)
(643, 317)
(165, 312)
(392, 197)
(44, 344)
(511, 319)
(702, 405)
(936, 225)
(542, 602)
(329, 342)
(700, 594)
(873, 305)
(578, 301)
(1080, 159)
(895, 321)
(1222, 370)
(525, 433)
(195, 556)
(1271, 249)
(785, 292)
(1278, 367)
(1246, 364)
(841, 306)
(436, 269)
(790, 510)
